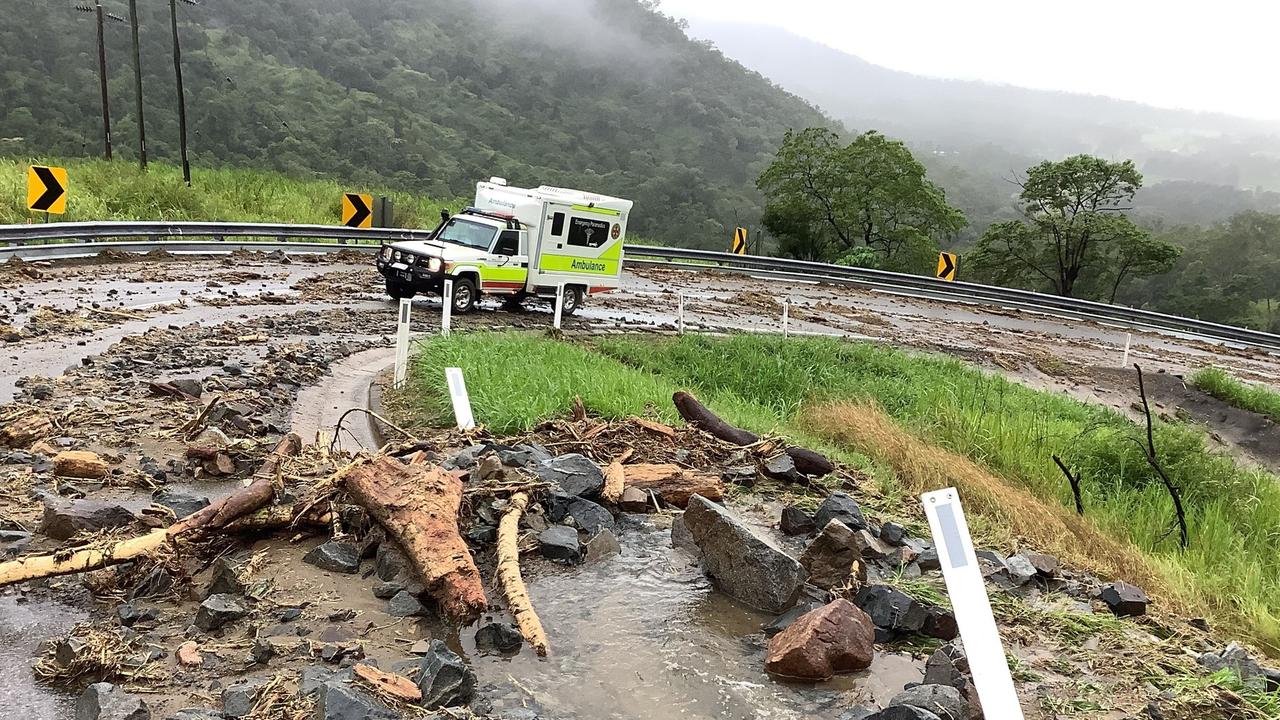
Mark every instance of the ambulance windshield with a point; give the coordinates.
(464, 232)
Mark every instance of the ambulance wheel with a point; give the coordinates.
(398, 290)
(465, 296)
(572, 300)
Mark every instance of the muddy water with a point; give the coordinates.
(22, 628)
(643, 635)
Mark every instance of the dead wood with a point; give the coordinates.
(1075, 484)
(396, 686)
(418, 505)
(615, 481)
(164, 388)
(27, 429)
(509, 577)
(673, 483)
(811, 463)
(655, 427)
(695, 413)
(1154, 462)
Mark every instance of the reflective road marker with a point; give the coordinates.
(402, 342)
(458, 394)
(559, 304)
(972, 608)
(446, 308)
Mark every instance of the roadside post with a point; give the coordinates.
(680, 311)
(402, 343)
(559, 304)
(1128, 340)
(968, 593)
(786, 317)
(458, 395)
(446, 308)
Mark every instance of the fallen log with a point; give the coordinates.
(214, 517)
(79, 464)
(397, 686)
(25, 430)
(695, 413)
(673, 483)
(418, 505)
(810, 463)
(512, 582)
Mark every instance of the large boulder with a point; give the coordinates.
(104, 701)
(338, 700)
(589, 516)
(834, 639)
(64, 518)
(941, 700)
(334, 556)
(739, 562)
(574, 474)
(839, 506)
(444, 679)
(832, 557)
(1124, 599)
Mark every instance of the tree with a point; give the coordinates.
(1074, 230)
(870, 193)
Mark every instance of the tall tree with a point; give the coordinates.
(870, 193)
(1074, 229)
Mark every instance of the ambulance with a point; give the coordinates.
(515, 243)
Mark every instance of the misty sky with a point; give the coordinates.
(1219, 55)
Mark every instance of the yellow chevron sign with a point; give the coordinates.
(947, 266)
(357, 210)
(740, 241)
(47, 189)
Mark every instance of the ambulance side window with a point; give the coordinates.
(557, 224)
(508, 243)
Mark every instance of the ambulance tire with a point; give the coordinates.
(572, 299)
(398, 290)
(465, 296)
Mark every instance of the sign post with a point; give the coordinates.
(458, 395)
(402, 343)
(357, 210)
(446, 307)
(786, 317)
(947, 263)
(559, 304)
(47, 189)
(680, 311)
(968, 593)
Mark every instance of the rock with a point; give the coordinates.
(928, 560)
(262, 650)
(681, 539)
(782, 468)
(1021, 571)
(64, 518)
(157, 581)
(404, 604)
(104, 701)
(903, 712)
(481, 534)
(940, 623)
(574, 474)
(634, 500)
(834, 639)
(948, 665)
(467, 458)
(391, 561)
(334, 556)
(941, 700)
(871, 547)
(589, 516)
(831, 558)
(499, 637)
(1046, 565)
(891, 610)
(857, 712)
(190, 386)
(839, 506)
(226, 578)
(188, 654)
(238, 700)
(1235, 658)
(560, 542)
(13, 542)
(740, 563)
(784, 621)
(338, 700)
(79, 464)
(795, 521)
(217, 611)
(196, 714)
(523, 455)
(181, 504)
(1125, 600)
(894, 534)
(444, 679)
(131, 614)
(603, 545)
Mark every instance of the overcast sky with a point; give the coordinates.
(1219, 55)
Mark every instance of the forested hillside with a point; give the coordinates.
(422, 95)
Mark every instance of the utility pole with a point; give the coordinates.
(102, 79)
(182, 100)
(137, 80)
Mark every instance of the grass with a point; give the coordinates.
(1257, 398)
(920, 423)
(119, 190)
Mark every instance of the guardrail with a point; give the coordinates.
(32, 242)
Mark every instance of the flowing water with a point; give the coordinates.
(23, 627)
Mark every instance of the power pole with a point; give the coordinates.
(182, 100)
(102, 79)
(137, 80)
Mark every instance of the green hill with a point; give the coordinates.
(426, 96)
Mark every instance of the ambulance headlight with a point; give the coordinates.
(434, 264)
(386, 253)
(396, 256)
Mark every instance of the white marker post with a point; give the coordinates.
(559, 304)
(458, 394)
(446, 308)
(680, 311)
(1128, 339)
(402, 342)
(972, 608)
(786, 317)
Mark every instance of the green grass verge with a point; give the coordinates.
(762, 383)
(1257, 398)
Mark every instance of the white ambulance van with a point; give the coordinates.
(515, 243)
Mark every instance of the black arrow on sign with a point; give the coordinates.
(948, 268)
(362, 211)
(53, 189)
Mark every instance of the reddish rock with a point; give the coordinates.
(834, 639)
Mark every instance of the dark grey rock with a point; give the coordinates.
(783, 469)
(1021, 571)
(196, 714)
(891, 609)
(13, 542)
(64, 518)
(558, 505)
(795, 521)
(589, 516)
(739, 562)
(226, 577)
(238, 700)
(894, 534)
(130, 614)
(217, 611)
(857, 712)
(404, 604)
(574, 474)
(104, 701)
(387, 590)
(839, 506)
(941, 700)
(940, 623)
(928, 560)
(190, 386)
(467, 458)
(334, 556)
(1235, 658)
(481, 534)
(603, 545)
(1047, 565)
(290, 614)
(391, 561)
(182, 504)
(262, 650)
(338, 700)
(1124, 599)
(157, 581)
(560, 542)
(524, 456)
(499, 637)
(444, 679)
(903, 712)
